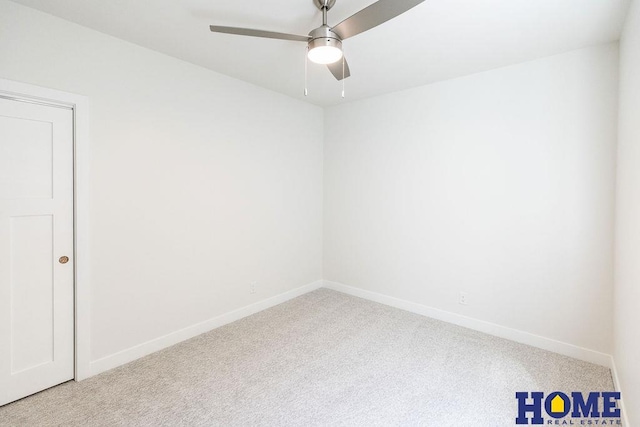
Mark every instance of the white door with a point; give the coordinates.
(36, 231)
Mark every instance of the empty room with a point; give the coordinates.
(319, 213)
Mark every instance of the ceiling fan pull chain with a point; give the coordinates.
(306, 61)
(343, 79)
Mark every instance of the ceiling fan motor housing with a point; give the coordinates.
(323, 36)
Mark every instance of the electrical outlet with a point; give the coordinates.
(464, 298)
(252, 287)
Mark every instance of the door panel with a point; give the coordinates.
(31, 291)
(36, 229)
(25, 159)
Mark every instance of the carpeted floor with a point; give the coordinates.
(324, 358)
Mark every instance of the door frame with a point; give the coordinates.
(81, 187)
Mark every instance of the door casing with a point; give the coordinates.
(81, 168)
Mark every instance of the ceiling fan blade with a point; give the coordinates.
(336, 69)
(258, 33)
(372, 16)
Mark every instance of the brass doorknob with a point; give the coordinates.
(64, 259)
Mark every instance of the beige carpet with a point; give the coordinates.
(324, 358)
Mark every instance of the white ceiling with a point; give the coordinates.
(437, 40)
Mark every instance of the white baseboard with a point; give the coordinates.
(146, 348)
(616, 385)
(522, 337)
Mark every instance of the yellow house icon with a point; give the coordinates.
(557, 404)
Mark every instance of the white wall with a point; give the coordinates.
(200, 183)
(627, 248)
(499, 184)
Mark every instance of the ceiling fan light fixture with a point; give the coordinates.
(325, 50)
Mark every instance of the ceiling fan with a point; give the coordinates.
(324, 43)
